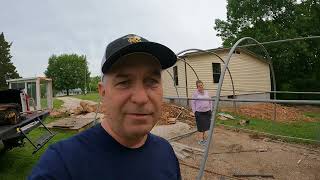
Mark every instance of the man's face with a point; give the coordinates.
(132, 95)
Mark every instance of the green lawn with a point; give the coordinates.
(57, 103)
(92, 97)
(300, 129)
(18, 162)
(43, 102)
(313, 115)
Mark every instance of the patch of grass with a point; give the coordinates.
(50, 119)
(18, 162)
(312, 115)
(57, 103)
(91, 96)
(299, 129)
(43, 102)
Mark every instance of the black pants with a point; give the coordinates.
(203, 120)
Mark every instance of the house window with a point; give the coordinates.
(175, 76)
(216, 71)
(230, 97)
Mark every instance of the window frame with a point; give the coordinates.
(175, 76)
(216, 73)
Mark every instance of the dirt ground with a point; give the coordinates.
(70, 102)
(236, 152)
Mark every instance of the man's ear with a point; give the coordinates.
(101, 89)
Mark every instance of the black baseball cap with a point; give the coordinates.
(132, 43)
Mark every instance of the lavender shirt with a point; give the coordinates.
(199, 105)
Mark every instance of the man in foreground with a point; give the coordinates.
(121, 147)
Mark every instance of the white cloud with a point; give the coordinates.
(39, 29)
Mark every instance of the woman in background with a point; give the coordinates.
(202, 110)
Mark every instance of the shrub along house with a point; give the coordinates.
(250, 74)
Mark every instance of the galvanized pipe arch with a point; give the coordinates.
(215, 54)
(180, 59)
(217, 98)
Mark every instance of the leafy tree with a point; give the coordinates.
(296, 63)
(7, 69)
(93, 85)
(68, 71)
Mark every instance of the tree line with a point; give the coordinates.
(296, 63)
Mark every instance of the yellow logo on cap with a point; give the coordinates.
(134, 39)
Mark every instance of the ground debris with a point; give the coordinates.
(59, 113)
(243, 122)
(225, 116)
(88, 107)
(266, 110)
(253, 175)
(172, 112)
(183, 151)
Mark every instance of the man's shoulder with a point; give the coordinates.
(159, 141)
(67, 155)
(165, 151)
(157, 138)
(86, 138)
(71, 150)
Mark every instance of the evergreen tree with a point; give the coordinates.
(7, 69)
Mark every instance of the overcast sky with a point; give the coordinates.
(39, 29)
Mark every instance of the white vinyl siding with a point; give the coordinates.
(248, 73)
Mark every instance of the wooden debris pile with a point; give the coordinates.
(171, 113)
(84, 108)
(266, 110)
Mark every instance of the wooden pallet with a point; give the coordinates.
(71, 124)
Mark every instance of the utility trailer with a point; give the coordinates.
(15, 124)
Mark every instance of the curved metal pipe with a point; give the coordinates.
(274, 90)
(180, 59)
(217, 98)
(213, 53)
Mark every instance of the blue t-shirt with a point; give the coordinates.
(94, 154)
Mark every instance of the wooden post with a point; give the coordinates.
(49, 94)
(38, 94)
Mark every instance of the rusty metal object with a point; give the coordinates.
(9, 114)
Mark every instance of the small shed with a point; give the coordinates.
(38, 88)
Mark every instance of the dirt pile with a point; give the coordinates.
(266, 110)
(86, 107)
(181, 114)
(171, 113)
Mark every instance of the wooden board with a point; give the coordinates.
(73, 124)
